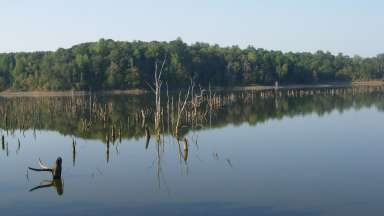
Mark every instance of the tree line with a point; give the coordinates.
(108, 64)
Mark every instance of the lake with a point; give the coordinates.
(277, 152)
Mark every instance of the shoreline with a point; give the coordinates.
(371, 83)
(9, 93)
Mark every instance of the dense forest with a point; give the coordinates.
(109, 64)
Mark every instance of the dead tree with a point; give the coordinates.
(157, 91)
(180, 111)
(196, 101)
(73, 152)
(55, 170)
(143, 119)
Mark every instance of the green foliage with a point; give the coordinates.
(109, 64)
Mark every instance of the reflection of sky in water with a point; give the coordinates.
(305, 165)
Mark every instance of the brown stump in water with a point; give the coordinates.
(2, 142)
(55, 170)
(73, 152)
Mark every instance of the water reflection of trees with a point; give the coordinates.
(115, 117)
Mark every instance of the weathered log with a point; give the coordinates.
(55, 170)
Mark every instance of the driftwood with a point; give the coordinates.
(55, 170)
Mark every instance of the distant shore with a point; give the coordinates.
(304, 86)
(9, 93)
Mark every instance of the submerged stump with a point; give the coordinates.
(55, 170)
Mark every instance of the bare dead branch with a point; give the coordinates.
(40, 170)
(55, 170)
(149, 85)
(42, 165)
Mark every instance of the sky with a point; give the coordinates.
(353, 27)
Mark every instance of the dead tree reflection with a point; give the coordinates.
(107, 150)
(194, 108)
(7, 149)
(18, 146)
(147, 137)
(55, 183)
(185, 156)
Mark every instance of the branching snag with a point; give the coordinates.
(55, 170)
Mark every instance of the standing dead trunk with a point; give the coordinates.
(158, 83)
(143, 118)
(157, 91)
(180, 112)
(73, 152)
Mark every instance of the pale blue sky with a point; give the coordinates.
(348, 26)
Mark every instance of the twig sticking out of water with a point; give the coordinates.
(74, 152)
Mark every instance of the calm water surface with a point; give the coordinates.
(311, 155)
